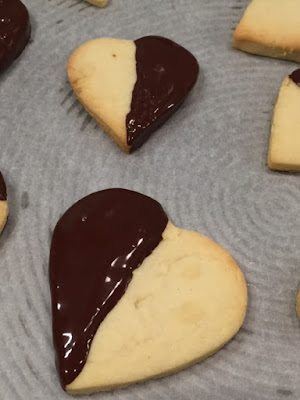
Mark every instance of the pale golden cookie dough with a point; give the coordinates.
(98, 3)
(102, 73)
(284, 148)
(186, 300)
(270, 28)
(3, 214)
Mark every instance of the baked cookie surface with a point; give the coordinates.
(284, 147)
(98, 3)
(270, 28)
(128, 288)
(131, 87)
(3, 203)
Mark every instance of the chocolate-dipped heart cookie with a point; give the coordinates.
(14, 31)
(132, 87)
(128, 288)
(284, 146)
(3, 203)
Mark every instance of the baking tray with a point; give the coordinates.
(207, 167)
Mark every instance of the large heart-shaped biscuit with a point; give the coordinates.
(3, 203)
(270, 28)
(284, 148)
(14, 31)
(132, 87)
(134, 297)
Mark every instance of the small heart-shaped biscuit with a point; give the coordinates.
(3, 203)
(14, 31)
(270, 28)
(132, 87)
(98, 3)
(134, 297)
(284, 147)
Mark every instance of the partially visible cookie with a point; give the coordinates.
(284, 147)
(98, 3)
(270, 28)
(133, 296)
(3, 203)
(14, 31)
(131, 87)
(298, 304)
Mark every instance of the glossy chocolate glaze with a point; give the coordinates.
(295, 76)
(14, 30)
(3, 195)
(166, 72)
(96, 246)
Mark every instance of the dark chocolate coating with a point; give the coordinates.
(166, 72)
(96, 246)
(3, 195)
(295, 76)
(14, 31)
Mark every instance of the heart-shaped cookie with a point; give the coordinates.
(132, 87)
(284, 147)
(270, 28)
(134, 297)
(14, 31)
(3, 203)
